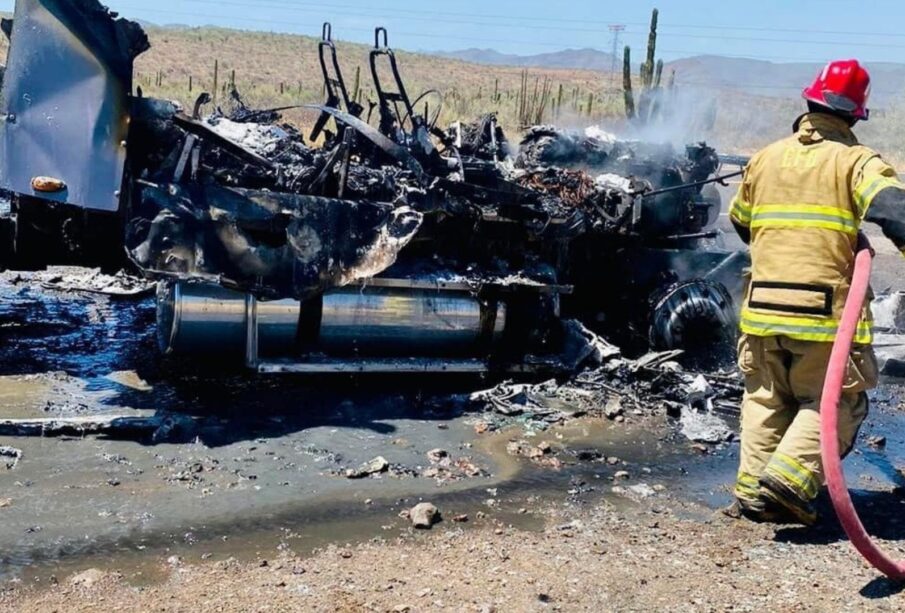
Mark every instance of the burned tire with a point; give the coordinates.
(692, 315)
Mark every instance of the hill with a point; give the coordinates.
(577, 59)
(282, 69)
(771, 79)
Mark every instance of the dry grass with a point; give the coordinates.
(281, 69)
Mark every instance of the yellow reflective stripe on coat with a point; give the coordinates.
(801, 328)
(804, 216)
(747, 486)
(740, 211)
(870, 187)
(794, 474)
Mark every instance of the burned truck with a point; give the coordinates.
(393, 246)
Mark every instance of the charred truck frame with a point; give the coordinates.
(396, 248)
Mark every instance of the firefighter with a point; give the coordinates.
(800, 206)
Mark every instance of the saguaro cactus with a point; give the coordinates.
(651, 76)
(647, 68)
(627, 83)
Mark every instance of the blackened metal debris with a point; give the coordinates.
(573, 226)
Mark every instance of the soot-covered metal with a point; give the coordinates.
(474, 250)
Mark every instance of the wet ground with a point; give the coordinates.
(263, 463)
(266, 457)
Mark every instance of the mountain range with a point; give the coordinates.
(757, 77)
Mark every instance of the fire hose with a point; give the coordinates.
(829, 420)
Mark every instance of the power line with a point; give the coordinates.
(433, 36)
(510, 18)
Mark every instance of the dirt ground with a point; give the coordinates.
(601, 558)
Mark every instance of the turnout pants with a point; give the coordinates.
(781, 410)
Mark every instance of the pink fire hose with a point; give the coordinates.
(829, 420)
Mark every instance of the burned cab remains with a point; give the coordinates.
(396, 245)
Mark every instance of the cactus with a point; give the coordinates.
(627, 83)
(216, 79)
(356, 85)
(647, 68)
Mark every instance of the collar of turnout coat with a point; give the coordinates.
(818, 127)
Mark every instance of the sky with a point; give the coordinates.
(773, 30)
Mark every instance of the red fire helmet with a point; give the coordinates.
(844, 86)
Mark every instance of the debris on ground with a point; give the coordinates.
(159, 427)
(375, 467)
(120, 285)
(444, 468)
(10, 452)
(437, 455)
(424, 515)
(650, 384)
(88, 578)
(877, 442)
(541, 454)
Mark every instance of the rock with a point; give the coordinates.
(435, 455)
(174, 561)
(877, 442)
(376, 466)
(130, 379)
(466, 466)
(699, 390)
(5, 502)
(551, 462)
(88, 578)
(642, 490)
(613, 408)
(889, 313)
(515, 447)
(704, 427)
(612, 460)
(460, 519)
(621, 475)
(423, 516)
(890, 351)
(13, 453)
(481, 427)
